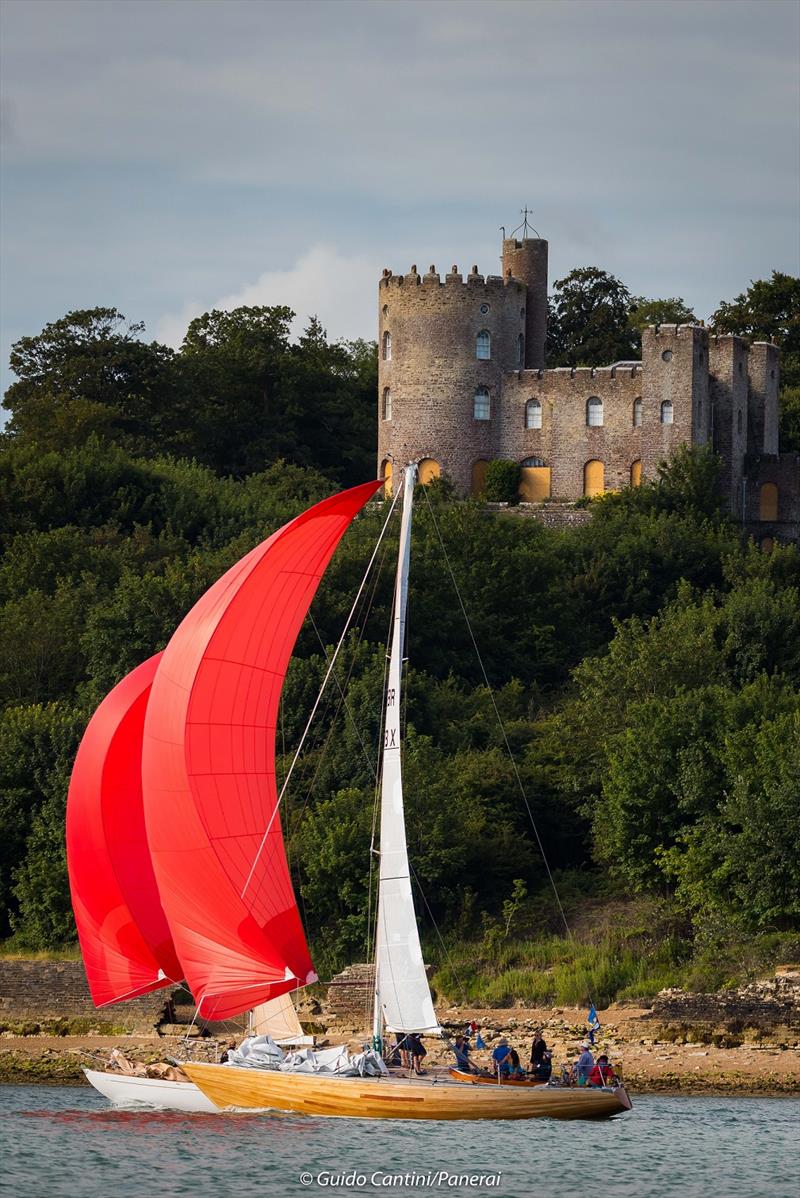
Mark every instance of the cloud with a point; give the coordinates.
(340, 290)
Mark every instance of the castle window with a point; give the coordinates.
(667, 355)
(479, 476)
(484, 309)
(483, 345)
(482, 405)
(521, 351)
(533, 414)
(594, 412)
(594, 482)
(768, 502)
(666, 412)
(532, 462)
(386, 347)
(637, 413)
(522, 313)
(636, 474)
(386, 411)
(385, 309)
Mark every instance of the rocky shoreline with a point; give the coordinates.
(744, 1041)
(655, 1057)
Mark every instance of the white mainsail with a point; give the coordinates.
(402, 996)
(278, 1018)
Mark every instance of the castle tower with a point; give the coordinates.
(527, 261)
(444, 346)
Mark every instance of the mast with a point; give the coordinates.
(402, 995)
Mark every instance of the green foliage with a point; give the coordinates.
(588, 321)
(769, 310)
(789, 429)
(237, 396)
(502, 481)
(644, 312)
(646, 665)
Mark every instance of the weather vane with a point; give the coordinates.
(526, 226)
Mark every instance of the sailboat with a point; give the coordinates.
(203, 747)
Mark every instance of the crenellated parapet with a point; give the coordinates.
(463, 380)
(489, 283)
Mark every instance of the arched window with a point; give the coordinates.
(483, 345)
(521, 351)
(768, 502)
(534, 481)
(594, 481)
(479, 476)
(482, 405)
(666, 412)
(594, 412)
(386, 410)
(636, 473)
(386, 349)
(386, 470)
(637, 412)
(428, 470)
(533, 414)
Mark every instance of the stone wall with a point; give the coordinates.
(764, 1004)
(434, 371)
(43, 990)
(783, 472)
(351, 994)
(721, 390)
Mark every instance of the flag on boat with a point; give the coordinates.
(594, 1023)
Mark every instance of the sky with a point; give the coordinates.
(166, 157)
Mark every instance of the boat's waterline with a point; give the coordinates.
(397, 1098)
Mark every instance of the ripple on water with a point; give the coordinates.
(67, 1143)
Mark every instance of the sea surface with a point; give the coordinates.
(65, 1142)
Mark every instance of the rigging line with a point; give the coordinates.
(449, 959)
(332, 723)
(369, 601)
(318, 698)
(499, 721)
(373, 769)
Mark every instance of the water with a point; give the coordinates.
(67, 1143)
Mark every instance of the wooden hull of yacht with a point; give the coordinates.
(397, 1098)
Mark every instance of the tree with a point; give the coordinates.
(502, 481)
(644, 312)
(769, 310)
(90, 372)
(588, 322)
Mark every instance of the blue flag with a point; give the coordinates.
(594, 1023)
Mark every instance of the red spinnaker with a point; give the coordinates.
(208, 768)
(125, 940)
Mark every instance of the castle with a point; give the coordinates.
(462, 380)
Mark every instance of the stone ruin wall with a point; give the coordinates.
(45, 990)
